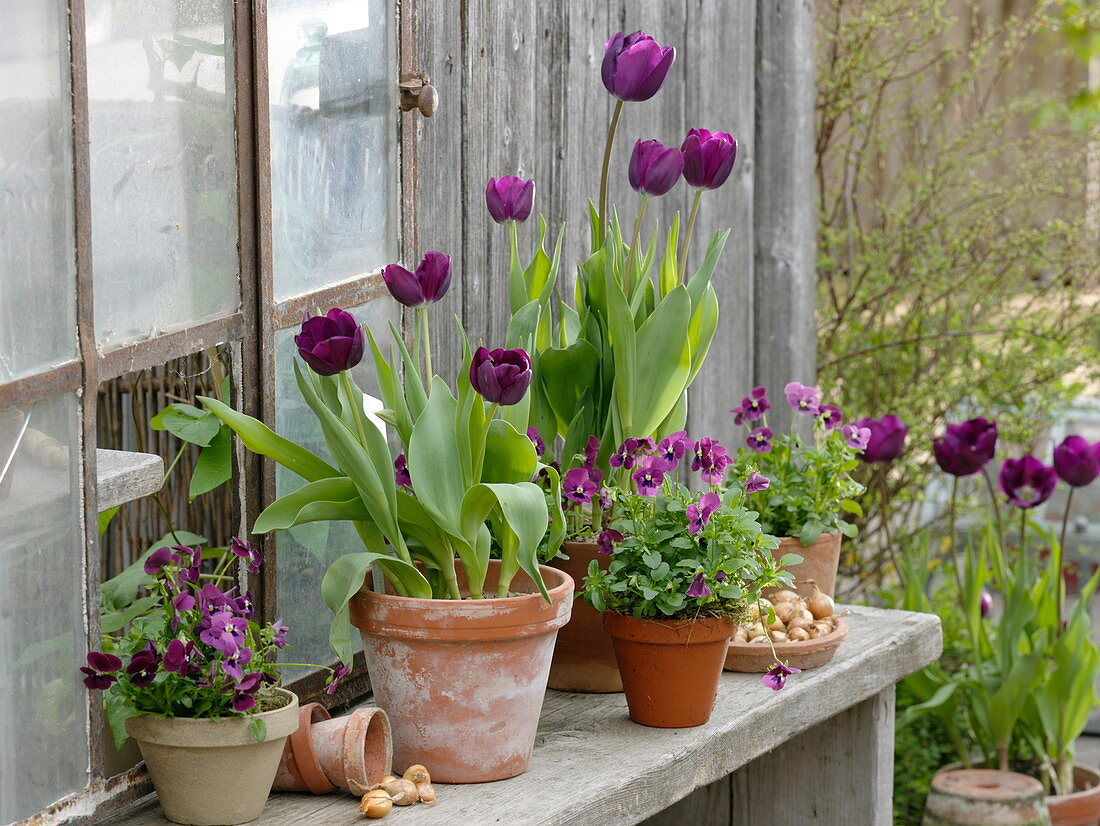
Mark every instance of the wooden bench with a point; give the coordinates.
(818, 752)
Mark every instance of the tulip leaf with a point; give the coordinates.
(334, 499)
(434, 462)
(665, 352)
(111, 621)
(509, 455)
(669, 274)
(699, 281)
(524, 511)
(568, 376)
(623, 352)
(259, 438)
(704, 321)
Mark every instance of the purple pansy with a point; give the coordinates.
(143, 668)
(757, 482)
(777, 676)
(753, 407)
(248, 552)
(243, 691)
(190, 561)
(760, 439)
(234, 662)
(710, 460)
(578, 485)
(698, 586)
(720, 576)
(607, 540)
(635, 65)
(223, 631)
(158, 559)
(803, 399)
(1027, 482)
(245, 605)
(650, 475)
(672, 448)
(336, 677)
(212, 600)
(331, 343)
(831, 416)
(177, 656)
(401, 471)
(1076, 462)
(627, 454)
(699, 514)
(101, 670)
(279, 631)
(966, 448)
(427, 285)
(856, 437)
(536, 439)
(606, 499)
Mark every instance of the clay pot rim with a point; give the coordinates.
(661, 631)
(798, 647)
(355, 760)
(305, 755)
(827, 536)
(205, 732)
(1073, 797)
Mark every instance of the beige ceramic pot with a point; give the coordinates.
(819, 563)
(463, 680)
(213, 772)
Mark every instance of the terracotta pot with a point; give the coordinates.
(756, 658)
(670, 668)
(463, 680)
(819, 563)
(212, 772)
(1082, 808)
(985, 796)
(353, 752)
(584, 659)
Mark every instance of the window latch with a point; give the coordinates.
(418, 93)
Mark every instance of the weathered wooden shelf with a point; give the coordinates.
(123, 476)
(592, 765)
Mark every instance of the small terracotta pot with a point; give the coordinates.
(819, 563)
(584, 659)
(463, 680)
(353, 752)
(670, 668)
(1082, 808)
(212, 772)
(985, 796)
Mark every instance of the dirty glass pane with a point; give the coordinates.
(164, 203)
(43, 742)
(36, 174)
(333, 91)
(305, 552)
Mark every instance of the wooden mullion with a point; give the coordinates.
(46, 384)
(351, 293)
(141, 355)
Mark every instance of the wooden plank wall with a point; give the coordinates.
(520, 93)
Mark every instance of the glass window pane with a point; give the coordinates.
(164, 200)
(333, 93)
(43, 740)
(36, 191)
(304, 552)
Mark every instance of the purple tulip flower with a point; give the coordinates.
(500, 376)
(753, 407)
(101, 670)
(536, 439)
(235, 661)
(578, 485)
(699, 515)
(698, 586)
(607, 540)
(401, 473)
(1027, 482)
(832, 418)
(708, 158)
(427, 285)
(330, 343)
(143, 668)
(803, 399)
(654, 168)
(760, 439)
(777, 676)
(757, 482)
(985, 602)
(1076, 461)
(856, 437)
(650, 475)
(246, 551)
(635, 66)
(887, 438)
(509, 198)
(965, 448)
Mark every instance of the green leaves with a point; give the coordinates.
(187, 422)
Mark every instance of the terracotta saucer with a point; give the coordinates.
(756, 657)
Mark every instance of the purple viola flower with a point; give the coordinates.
(760, 439)
(856, 437)
(887, 438)
(699, 515)
(831, 417)
(757, 482)
(427, 285)
(143, 668)
(234, 662)
(245, 605)
(698, 586)
(190, 562)
(336, 677)
(627, 454)
(401, 473)
(710, 461)
(753, 407)
(536, 439)
(509, 198)
(1076, 462)
(650, 475)
(966, 448)
(777, 676)
(100, 670)
(158, 560)
(212, 600)
(635, 65)
(1027, 482)
(177, 656)
(500, 376)
(223, 631)
(578, 485)
(708, 158)
(181, 602)
(607, 540)
(654, 168)
(248, 552)
(803, 399)
(720, 576)
(606, 499)
(331, 343)
(672, 448)
(279, 634)
(985, 602)
(591, 451)
(244, 690)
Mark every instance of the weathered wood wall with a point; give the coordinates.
(520, 93)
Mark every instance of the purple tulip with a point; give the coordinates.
(831, 417)
(760, 439)
(655, 168)
(143, 668)
(650, 475)
(965, 448)
(753, 406)
(777, 676)
(330, 343)
(1027, 482)
(1076, 461)
(856, 437)
(509, 198)
(401, 473)
(100, 670)
(635, 65)
(428, 284)
(985, 602)
(578, 485)
(607, 540)
(708, 158)
(699, 515)
(803, 399)
(500, 376)
(887, 438)
(757, 482)
(698, 586)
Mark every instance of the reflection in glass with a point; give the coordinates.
(43, 740)
(36, 227)
(333, 140)
(164, 200)
(305, 552)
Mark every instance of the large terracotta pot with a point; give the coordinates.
(353, 752)
(463, 680)
(819, 562)
(584, 659)
(213, 772)
(670, 668)
(964, 797)
(1082, 808)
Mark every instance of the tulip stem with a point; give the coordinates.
(885, 518)
(1002, 571)
(1058, 555)
(686, 246)
(951, 543)
(627, 280)
(603, 174)
(422, 317)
